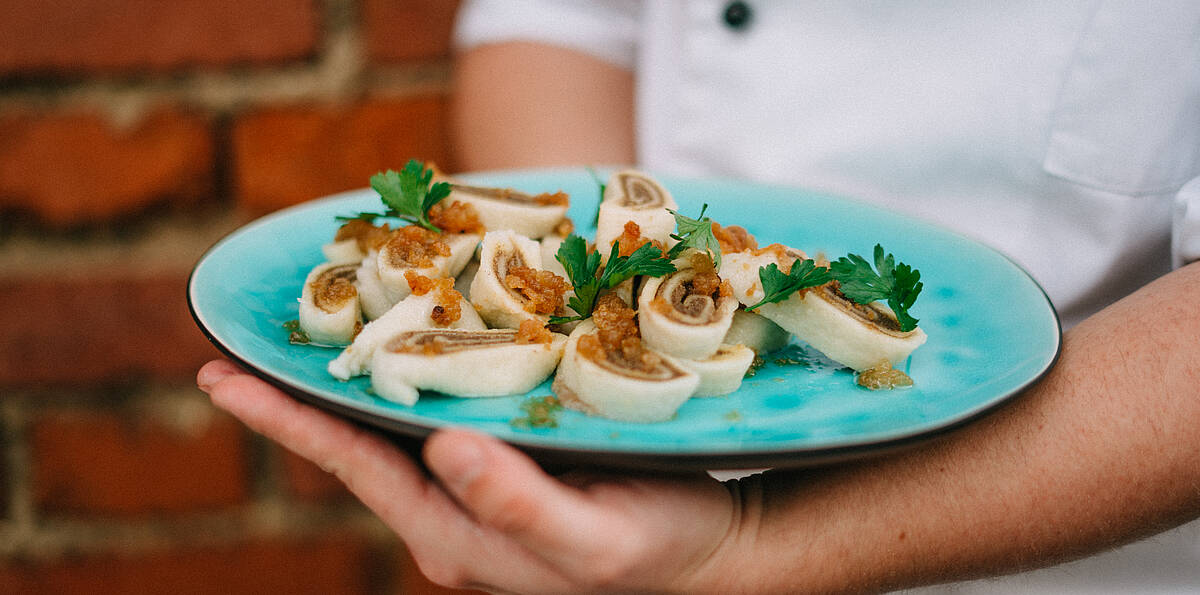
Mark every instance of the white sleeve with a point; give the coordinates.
(1185, 226)
(607, 29)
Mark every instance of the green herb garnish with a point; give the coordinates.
(583, 265)
(540, 412)
(407, 194)
(755, 366)
(296, 335)
(778, 286)
(896, 283)
(697, 234)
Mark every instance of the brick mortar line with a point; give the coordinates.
(58, 536)
(170, 244)
(19, 528)
(267, 515)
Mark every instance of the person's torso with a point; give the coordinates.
(1061, 145)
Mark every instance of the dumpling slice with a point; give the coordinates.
(464, 363)
(686, 313)
(757, 332)
(609, 372)
(634, 196)
(722, 372)
(353, 240)
(425, 252)
(859, 336)
(329, 305)
(376, 299)
(530, 215)
(433, 303)
(510, 286)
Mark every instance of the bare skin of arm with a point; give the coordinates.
(1101, 451)
(531, 105)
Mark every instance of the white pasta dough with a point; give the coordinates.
(679, 323)
(376, 299)
(818, 316)
(722, 372)
(532, 216)
(605, 389)
(633, 196)
(329, 321)
(497, 364)
(393, 272)
(411, 313)
(757, 332)
(498, 305)
(343, 252)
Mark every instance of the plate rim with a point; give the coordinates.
(411, 434)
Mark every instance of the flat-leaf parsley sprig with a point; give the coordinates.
(778, 286)
(407, 194)
(583, 269)
(697, 234)
(894, 282)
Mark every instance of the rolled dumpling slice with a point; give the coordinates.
(375, 298)
(548, 246)
(686, 313)
(634, 196)
(510, 286)
(433, 304)
(859, 336)
(499, 361)
(353, 240)
(530, 215)
(722, 372)
(428, 253)
(462, 282)
(757, 332)
(607, 371)
(329, 307)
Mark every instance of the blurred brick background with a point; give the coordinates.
(133, 135)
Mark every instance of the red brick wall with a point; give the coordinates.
(133, 134)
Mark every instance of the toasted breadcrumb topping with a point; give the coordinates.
(543, 290)
(414, 246)
(456, 217)
(533, 331)
(366, 235)
(733, 238)
(617, 338)
(631, 239)
(448, 306)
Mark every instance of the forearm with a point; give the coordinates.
(527, 105)
(1101, 451)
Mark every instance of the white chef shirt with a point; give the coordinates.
(1065, 134)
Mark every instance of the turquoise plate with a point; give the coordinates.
(992, 332)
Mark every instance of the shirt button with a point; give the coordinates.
(737, 15)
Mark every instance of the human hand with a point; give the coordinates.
(492, 519)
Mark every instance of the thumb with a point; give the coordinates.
(507, 491)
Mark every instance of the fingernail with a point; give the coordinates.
(461, 463)
(210, 375)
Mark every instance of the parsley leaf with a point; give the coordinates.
(897, 283)
(778, 286)
(407, 194)
(696, 233)
(582, 267)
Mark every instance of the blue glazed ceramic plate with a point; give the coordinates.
(992, 331)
